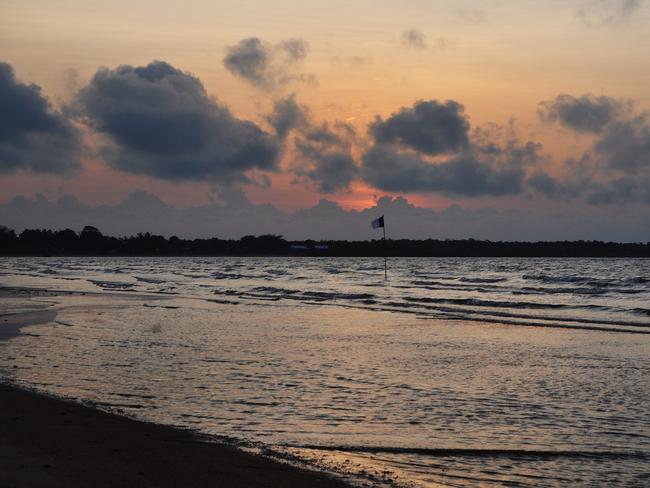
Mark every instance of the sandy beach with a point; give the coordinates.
(55, 443)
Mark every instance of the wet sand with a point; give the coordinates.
(56, 443)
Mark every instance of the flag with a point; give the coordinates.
(377, 223)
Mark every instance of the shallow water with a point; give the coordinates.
(455, 371)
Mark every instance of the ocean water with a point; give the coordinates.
(453, 372)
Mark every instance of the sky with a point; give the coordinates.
(519, 120)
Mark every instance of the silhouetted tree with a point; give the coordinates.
(91, 241)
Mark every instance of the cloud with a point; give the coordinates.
(325, 158)
(287, 115)
(250, 60)
(607, 12)
(429, 148)
(267, 66)
(319, 155)
(625, 146)
(160, 122)
(464, 174)
(587, 113)
(331, 170)
(142, 212)
(616, 168)
(294, 49)
(33, 136)
(577, 182)
(429, 126)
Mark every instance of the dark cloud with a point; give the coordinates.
(617, 166)
(331, 170)
(250, 60)
(321, 154)
(587, 113)
(625, 146)
(268, 66)
(429, 126)
(161, 122)
(575, 183)
(464, 174)
(623, 190)
(607, 12)
(542, 182)
(406, 156)
(287, 115)
(33, 136)
(615, 170)
(325, 136)
(294, 49)
(325, 158)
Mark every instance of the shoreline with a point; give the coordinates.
(47, 441)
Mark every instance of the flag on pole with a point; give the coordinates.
(377, 224)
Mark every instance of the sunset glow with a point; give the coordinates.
(346, 68)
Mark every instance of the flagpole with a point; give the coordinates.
(385, 253)
(380, 222)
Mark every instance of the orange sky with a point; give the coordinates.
(498, 60)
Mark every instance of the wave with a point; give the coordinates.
(446, 285)
(638, 280)
(541, 290)
(218, 275)
(469, 313)
(112, 285)
(154, 281)
(592, 283)
(477, 302)
(275, 290)
(552, 325)
(482, 453)
(482, 280)
(311, 295)
(472, 309)
(562, 279)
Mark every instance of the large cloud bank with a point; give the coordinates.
(142, 212)
(161, 122)
(33, 136)
(616, 169)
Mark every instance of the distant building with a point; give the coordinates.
(308, 246)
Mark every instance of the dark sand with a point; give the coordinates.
(55, 443)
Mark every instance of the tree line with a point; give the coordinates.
(91, 242)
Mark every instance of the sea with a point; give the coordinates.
(451, 372)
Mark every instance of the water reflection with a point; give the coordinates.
(453, 402)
